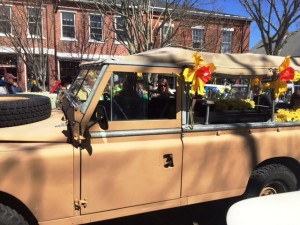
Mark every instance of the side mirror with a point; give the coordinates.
(101, 117)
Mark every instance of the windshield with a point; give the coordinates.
(84, 84)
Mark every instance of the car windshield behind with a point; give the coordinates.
(84, 84)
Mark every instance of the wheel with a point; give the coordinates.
(22, 109)
(9, 216)
(271, 179)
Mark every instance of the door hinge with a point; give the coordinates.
(80, 203)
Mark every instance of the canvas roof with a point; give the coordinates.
(245, 64)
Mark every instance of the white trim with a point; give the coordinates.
(198, 27)
(227, 29)
(69, 11)
(95, 41)
(68, 39)
(72, 56)
(6, 49)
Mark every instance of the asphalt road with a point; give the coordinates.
(210, 213)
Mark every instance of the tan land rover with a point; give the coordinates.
(135, 134)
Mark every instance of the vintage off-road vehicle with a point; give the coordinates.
(118, 147)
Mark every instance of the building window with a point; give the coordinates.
(68, 70)
(96, 25)
(35, 27)
(166, 33)
(198, 38)
(226, 41)
(68, 25)
(5, 18)
(120, 29)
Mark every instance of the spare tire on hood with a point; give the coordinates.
(22, 109)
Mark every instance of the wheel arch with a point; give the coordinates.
(17, 205)
(289, 162)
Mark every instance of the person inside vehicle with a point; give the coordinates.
(295, 100)
(163, 90)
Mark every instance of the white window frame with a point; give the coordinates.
(91, 39)
(29, 35)
(61, 26)
(116, 29)
(201, 41)
(162, 35)
(9, 21)
(225, 43)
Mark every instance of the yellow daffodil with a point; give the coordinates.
(139, 74)
(297, 76)
(255, 82)
(285, 64)
(280, 87)
(198, 75)
(188, 74)
(198, 59)
(287, 115)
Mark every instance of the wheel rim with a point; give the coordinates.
(273, 188)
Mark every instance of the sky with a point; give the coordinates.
(234, 7)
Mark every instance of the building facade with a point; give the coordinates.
(47, 41)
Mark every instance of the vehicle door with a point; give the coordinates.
(138, 159)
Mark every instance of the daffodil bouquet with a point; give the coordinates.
(199, 75)
(287, 115)
(233, 104)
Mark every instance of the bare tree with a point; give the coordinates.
(23, 27)
(141, 25)
(273, 18)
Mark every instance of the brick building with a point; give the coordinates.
(61, 34)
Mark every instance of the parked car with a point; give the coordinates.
(267, 210)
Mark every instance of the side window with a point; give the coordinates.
(140, 96)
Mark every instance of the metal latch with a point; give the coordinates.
(168, 160)
(79, 203)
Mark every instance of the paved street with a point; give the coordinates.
(211, 213)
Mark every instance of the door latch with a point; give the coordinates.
(80, 203)
(168, 160)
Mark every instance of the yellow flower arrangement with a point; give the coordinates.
(287, 115)
(199, 75)
(234, 104)
(286, 73)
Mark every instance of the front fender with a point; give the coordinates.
(40, 175)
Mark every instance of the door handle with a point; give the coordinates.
(168, 158)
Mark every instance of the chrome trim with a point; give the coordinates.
(235, 126)
(126, 133)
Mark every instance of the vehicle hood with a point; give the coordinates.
(53, 129)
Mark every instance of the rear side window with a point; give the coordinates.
(140, 96)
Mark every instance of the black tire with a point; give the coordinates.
(9, 216)
(23, 109)
(271, 179)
